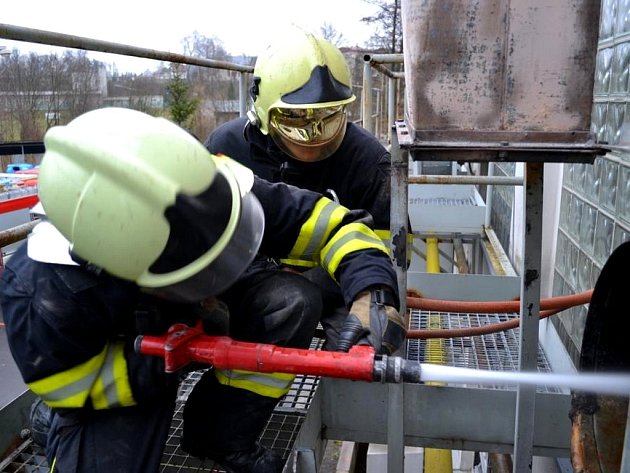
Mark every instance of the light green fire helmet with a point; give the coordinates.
(142, 199)
(300, 88)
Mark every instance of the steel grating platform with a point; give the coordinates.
(494, 352)
(445, 201)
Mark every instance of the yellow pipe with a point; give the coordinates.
(436, 460)
(433, 255)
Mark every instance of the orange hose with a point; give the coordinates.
(549, 306)
(472, 331)
(494, 307)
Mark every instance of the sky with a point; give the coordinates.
(243, 26)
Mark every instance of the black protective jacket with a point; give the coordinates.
(358, 172)
(71, 330)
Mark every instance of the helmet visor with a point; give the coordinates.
(308, 125)
(223, 270)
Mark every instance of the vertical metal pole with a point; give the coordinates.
(399, 230)
(242, 95)
(488, 196)
(530, 311)
(366, 110)
(391, 103)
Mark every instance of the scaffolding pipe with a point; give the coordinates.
(399, 230)
(242, 95)
(391, 103)
(393, 58)
(376, 61)
(529, 320)
(366, 103)
(15, 234)
(31, 35)
(489, 190)
(464, 180)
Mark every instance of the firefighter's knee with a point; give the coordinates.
(298, 306)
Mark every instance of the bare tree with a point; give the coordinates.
(40, 91)
(203, 46)
(215, 89)
(143, 92)
(23, 80)
(388, 36)
(329, 33)
(87, 86)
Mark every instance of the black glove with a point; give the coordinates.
(373, 320)
(214, 315)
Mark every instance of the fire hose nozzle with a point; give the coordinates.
(394, 369)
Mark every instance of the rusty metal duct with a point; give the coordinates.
(502, 79)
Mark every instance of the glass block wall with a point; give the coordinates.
(595, 203)
(502, 205)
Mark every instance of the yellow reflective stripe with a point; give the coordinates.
(350, 238)
(326, 215)
(69, 388)
(386, 236)
(273, 385)
(383, 234)
(299, 262)
(112, 388)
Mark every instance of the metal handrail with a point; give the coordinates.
(31, 35)
(377, 61)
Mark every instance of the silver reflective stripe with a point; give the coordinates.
(82, 384)
(107, 377)
(258, 378)
(347, 238)
(317, 237)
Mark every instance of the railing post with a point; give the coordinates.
(242, 95)
(366, 108)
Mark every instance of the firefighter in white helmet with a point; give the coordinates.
(142, 227)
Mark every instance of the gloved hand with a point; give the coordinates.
(214, 316)
(373, 320)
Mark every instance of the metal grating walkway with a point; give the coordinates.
(444, 201)
(495, 351)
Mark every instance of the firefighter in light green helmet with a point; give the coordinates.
(299, 132)
(143, 228)
(300, 91)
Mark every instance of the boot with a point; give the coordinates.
(222, 423)
(256, 460)
(41, 418)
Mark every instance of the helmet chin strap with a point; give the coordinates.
(253, 118)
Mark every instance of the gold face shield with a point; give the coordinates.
(308, 134)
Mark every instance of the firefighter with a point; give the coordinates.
(142, 228)
(298, 133)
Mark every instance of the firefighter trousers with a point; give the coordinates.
(124, 440)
